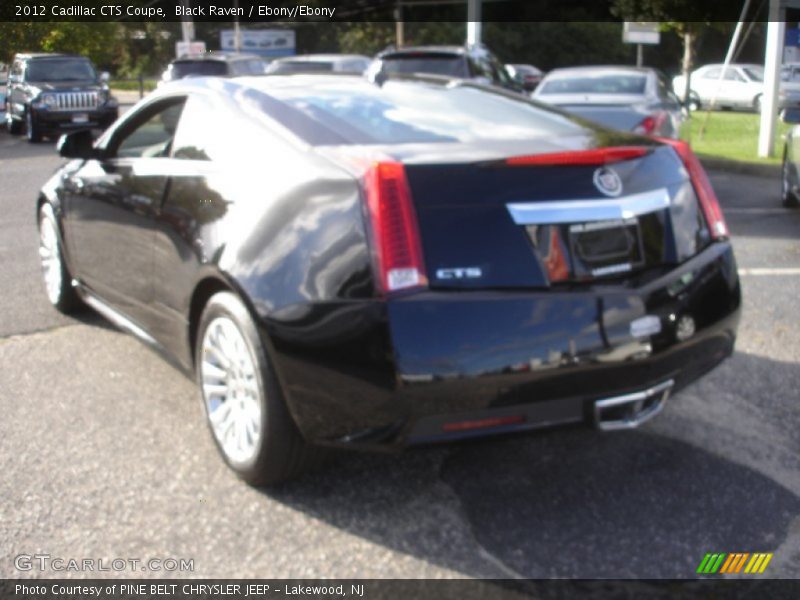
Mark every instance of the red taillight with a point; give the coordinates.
(595, 156)
(702, 187)
(396, 241)
(651, 124)
(482, 423)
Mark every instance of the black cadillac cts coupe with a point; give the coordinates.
(378, 264)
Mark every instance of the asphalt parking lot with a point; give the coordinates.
(105, 455)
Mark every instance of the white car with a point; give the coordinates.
(741, 86)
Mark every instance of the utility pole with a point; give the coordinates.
(187, 24)
(399, 33)
(473, 22)
(237, 33)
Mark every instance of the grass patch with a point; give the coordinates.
(733, 136)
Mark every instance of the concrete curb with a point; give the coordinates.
(744, 168)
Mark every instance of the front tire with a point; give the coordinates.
(14, 127)
(32, 130)
(57, 279)
(787, 194)
(242, 399)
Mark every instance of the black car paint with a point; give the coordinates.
(356, 368)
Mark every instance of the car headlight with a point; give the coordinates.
(48, 100)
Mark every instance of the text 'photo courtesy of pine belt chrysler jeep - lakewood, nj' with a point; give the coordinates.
(391, 261)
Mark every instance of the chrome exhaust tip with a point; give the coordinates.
(631, 410)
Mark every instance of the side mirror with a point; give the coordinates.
(105, 77)
(78, 144)
(791, 115)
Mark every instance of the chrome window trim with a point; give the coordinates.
(584, 210)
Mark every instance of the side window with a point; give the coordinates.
(202, 134)
(150, 137)
(732, 75)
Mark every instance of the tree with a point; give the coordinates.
(684, 17)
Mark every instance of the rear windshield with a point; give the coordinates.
(300, 66)
(754, 73)
(60, 69)
(434, 64)
(404, 112)
(600, 84)
(198, 68)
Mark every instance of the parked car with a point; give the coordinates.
(474, 62)
(318, 63)
(789, 91)
(349, 264)
(213, 64)
(790, 173)
(741, 86)
(47, 94)
(626, 98)
(526, 76)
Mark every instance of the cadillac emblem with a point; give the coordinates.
(607, 181)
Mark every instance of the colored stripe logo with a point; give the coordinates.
(733, 563)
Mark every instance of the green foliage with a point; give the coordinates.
(551, 45)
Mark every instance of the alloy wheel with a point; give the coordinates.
(50, 256)
(230, 390)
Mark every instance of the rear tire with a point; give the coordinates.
(57, 279)
(242, 399)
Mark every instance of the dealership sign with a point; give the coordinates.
(641, 32)
(264, 42)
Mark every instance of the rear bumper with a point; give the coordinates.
(422, 368)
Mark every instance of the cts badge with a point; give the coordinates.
(607, 181)
(459, 273)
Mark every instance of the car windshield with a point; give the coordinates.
(60, 69)
(400, 112)
(596, 84)
(754, 73)
(435, 64)
(198, 68)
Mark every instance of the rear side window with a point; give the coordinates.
(401, 112)
(434, 64)
(151, 135)
(198, 68)
(601, 84)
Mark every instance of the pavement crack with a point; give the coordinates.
(12, 337)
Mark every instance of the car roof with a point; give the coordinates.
(217, 56)
(33, 55)
(598, 70)
(739, 65)
(320, 57)
(460, 50)
(295, 81)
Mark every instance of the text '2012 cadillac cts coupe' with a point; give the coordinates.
(382, 264)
